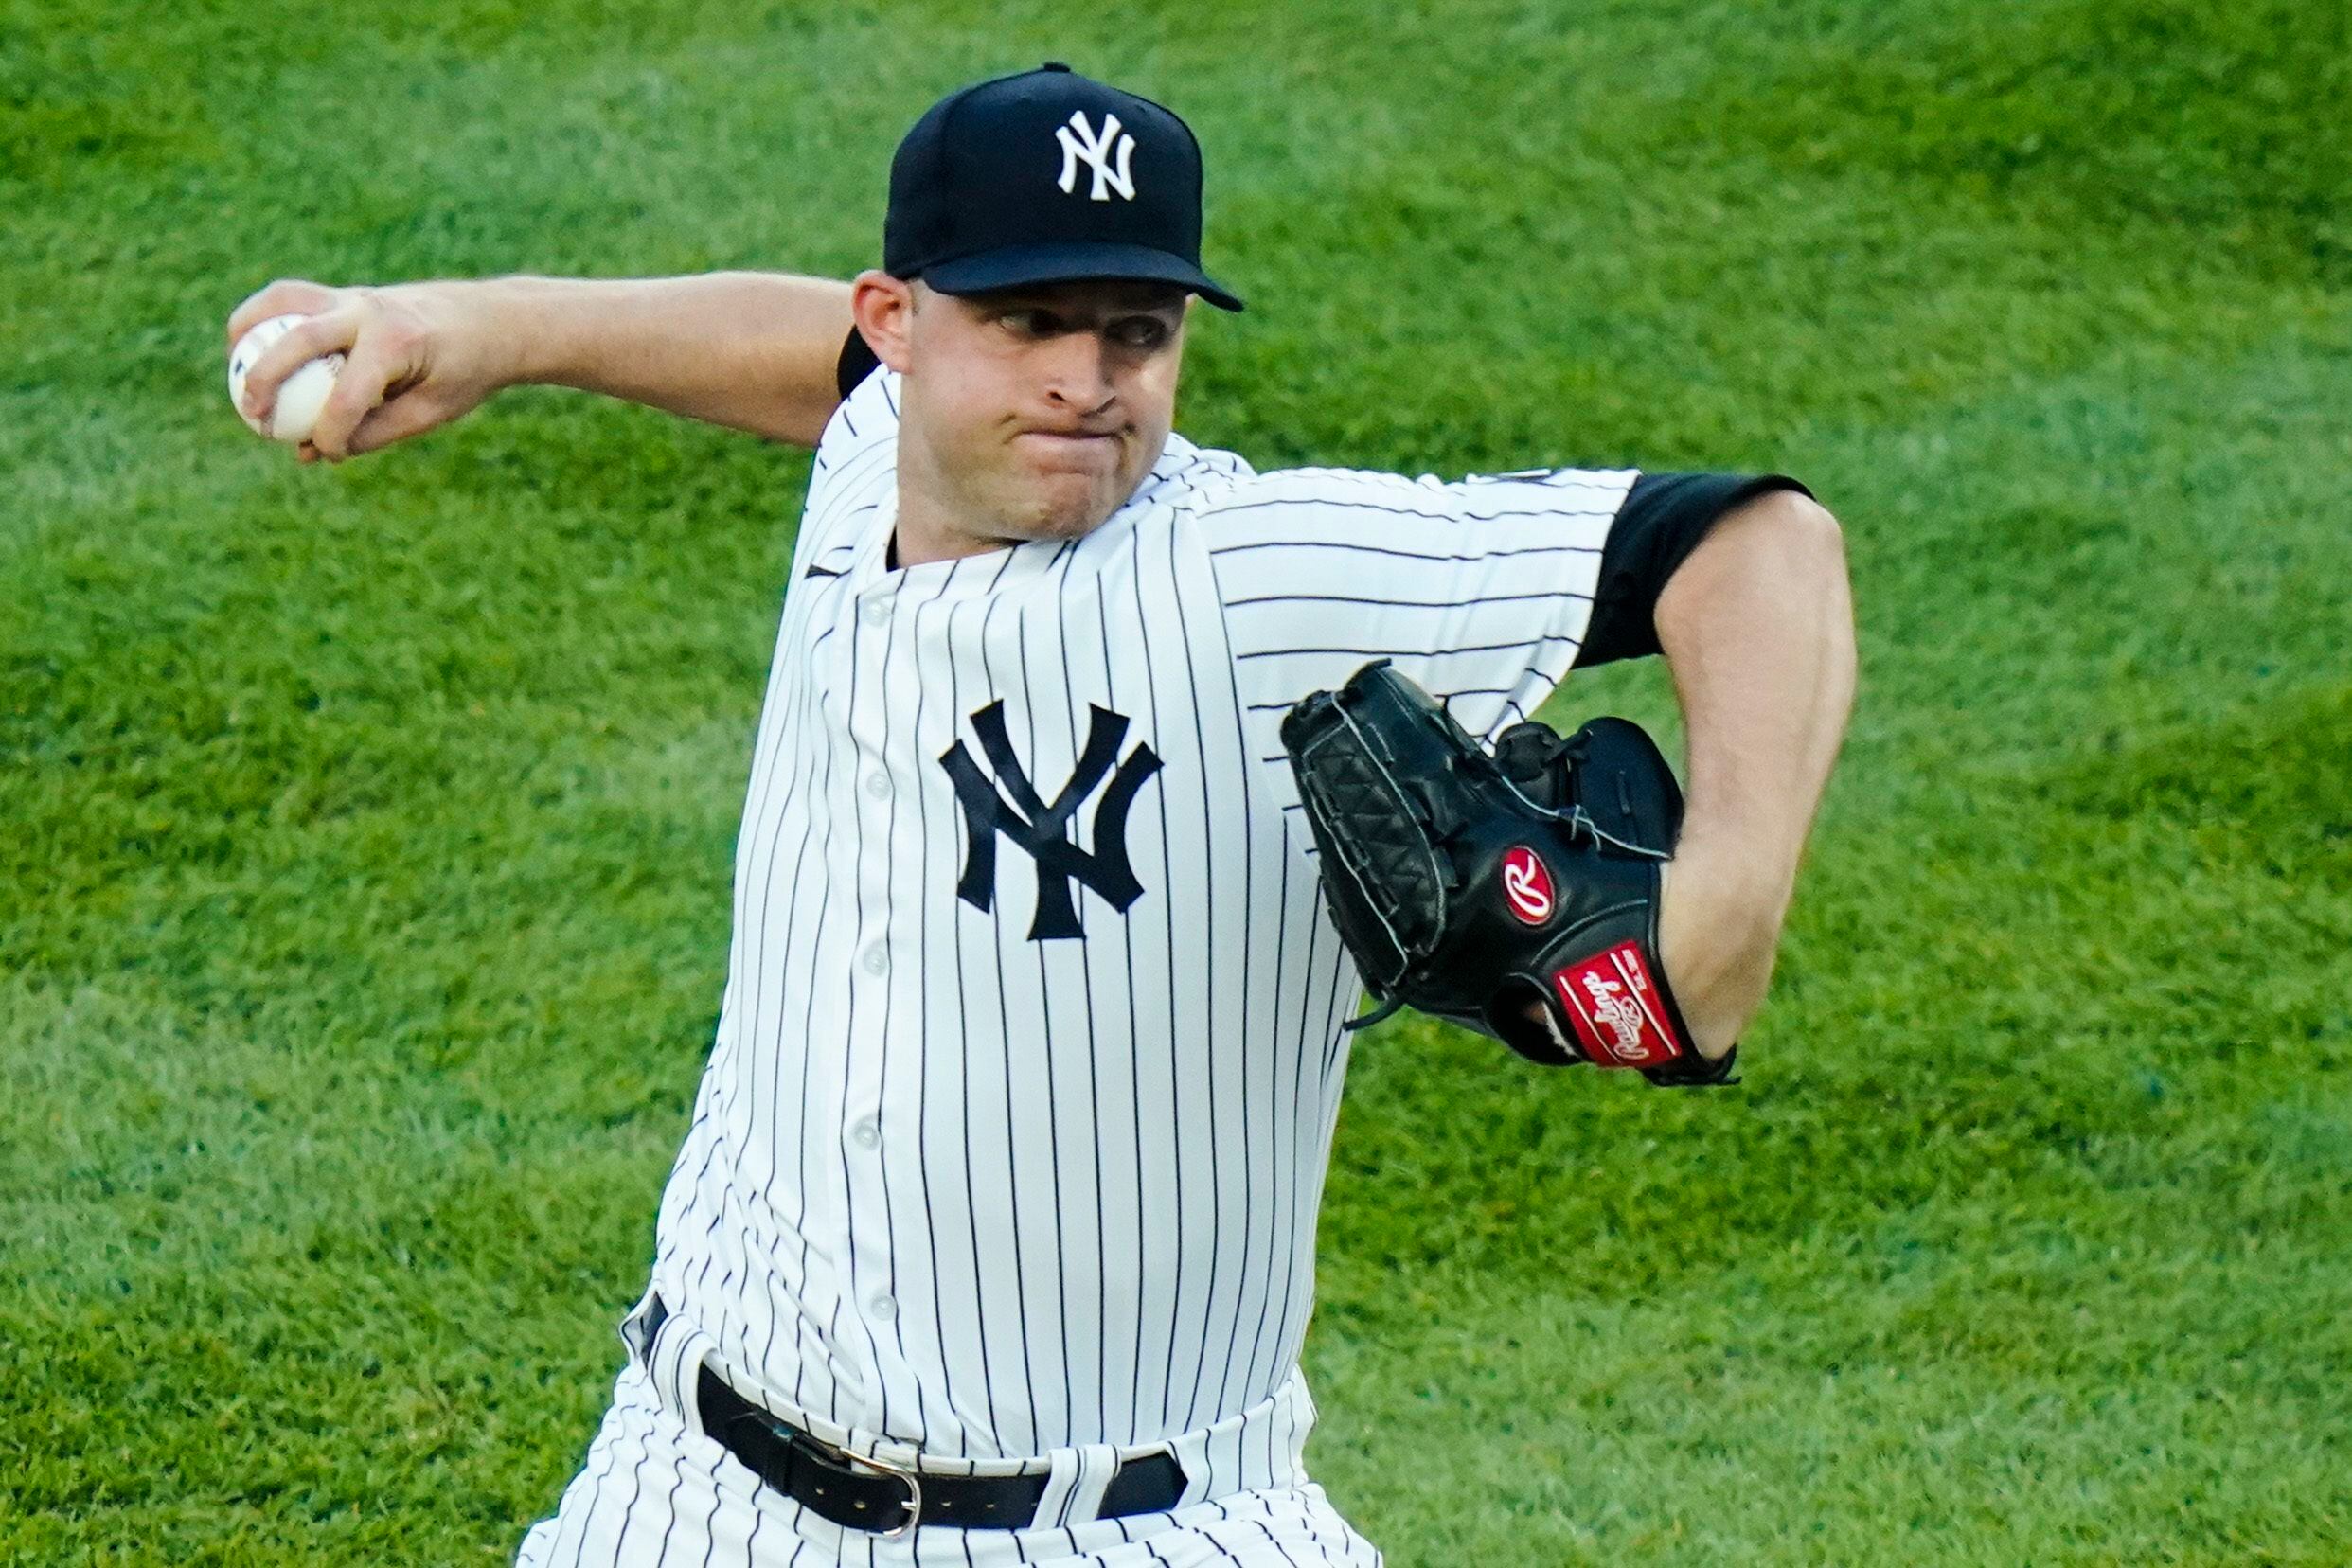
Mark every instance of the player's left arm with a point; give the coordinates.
(1757, 628)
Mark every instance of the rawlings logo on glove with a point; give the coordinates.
(1527, 885)
(1609, 999)
(1514, 893)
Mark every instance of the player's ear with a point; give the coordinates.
(883, 307)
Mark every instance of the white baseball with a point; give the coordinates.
(300, 395)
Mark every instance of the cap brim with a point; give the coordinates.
(1015, 266)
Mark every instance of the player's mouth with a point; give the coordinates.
(1074, 438)
(1076, 448)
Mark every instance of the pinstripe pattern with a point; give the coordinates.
(957, 1192)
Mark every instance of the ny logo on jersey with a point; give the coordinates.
(1043, 830)
(1095, 151)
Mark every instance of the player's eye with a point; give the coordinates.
(1143, 333)
(1030, 322)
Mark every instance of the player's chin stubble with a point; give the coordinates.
(1054, 517)
(1060, 506)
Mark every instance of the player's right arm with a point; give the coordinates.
(754, 351)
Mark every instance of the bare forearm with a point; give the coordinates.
(1758, 630)
(753, 351)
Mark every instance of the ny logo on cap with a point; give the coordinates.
(1041, 830)
(1096, 150)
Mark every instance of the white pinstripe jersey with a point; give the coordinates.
(1016, 1122)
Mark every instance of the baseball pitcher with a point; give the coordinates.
(1098, 774)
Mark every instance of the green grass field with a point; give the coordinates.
(365, 833)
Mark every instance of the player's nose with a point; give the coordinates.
(1077, 371)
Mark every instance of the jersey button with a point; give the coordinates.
(877, 959)
(878, 785)
(875, 612)
(865, 1135)
(884, 1308)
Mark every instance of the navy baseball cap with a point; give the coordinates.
(1046, 177)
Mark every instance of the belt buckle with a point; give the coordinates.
(913, 1482)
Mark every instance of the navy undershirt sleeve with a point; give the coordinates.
(857, 362)
(1664, 517)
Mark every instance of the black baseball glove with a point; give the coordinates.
(1517, 893)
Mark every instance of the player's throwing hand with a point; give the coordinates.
(415, 358)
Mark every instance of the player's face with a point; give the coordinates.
(1035, 413)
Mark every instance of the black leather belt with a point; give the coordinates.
(867, 1494)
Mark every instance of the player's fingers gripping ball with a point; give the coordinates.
(300, 395)
(1515, 893)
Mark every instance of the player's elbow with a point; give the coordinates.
(1802, 541)
(1782, 544)
(1800, 528)
(1812, 545)
(1775, 566)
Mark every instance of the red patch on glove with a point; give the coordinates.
(1614, 1004)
